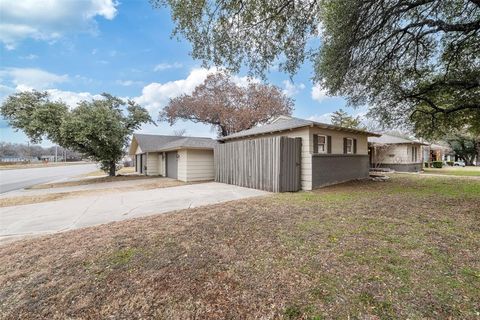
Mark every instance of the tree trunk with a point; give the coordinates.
(224, 131)
(111, 172)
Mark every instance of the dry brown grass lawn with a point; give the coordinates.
(100, 173)
(406, 248)
(86, 181)
(154, 183)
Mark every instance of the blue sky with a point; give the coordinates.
(85, 47)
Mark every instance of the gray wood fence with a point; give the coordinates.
(271, 164)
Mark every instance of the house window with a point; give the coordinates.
(322, 144)
(414, 154)
(349, 145)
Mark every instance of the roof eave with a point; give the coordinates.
(263, 133)
(313, 124)
(412, 142)
(183, 147)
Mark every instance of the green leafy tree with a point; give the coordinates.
(100, 128)
(411, 61)
(343, 119)
(464, 146)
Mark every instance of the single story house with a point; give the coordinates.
(327, 154)
(437, 152)
(183, 158)
(396, 153)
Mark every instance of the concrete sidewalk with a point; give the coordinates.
(56, 216)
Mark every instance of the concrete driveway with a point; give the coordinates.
(56, 216)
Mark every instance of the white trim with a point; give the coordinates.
(325, 144)
(351, 146)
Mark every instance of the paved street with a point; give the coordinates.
(62, 215)
(21, 178)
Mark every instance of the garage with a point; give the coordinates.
(172, 165)
(183, 158)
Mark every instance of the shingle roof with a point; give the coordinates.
(286, 123)
(154, 142)
(389, 139)
(190, 142)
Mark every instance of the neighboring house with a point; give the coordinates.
(328, 154)
(396, 153)
(437, 152)
(183, 158)
(13, 159)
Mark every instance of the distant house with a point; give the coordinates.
(437, 152)
(396, 153)
(182, 158)
(275, 155)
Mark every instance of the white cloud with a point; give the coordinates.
(323, 118)
(244, 81)
(292, 89)
(128, 83)
(71, 98)
(32, 78)
(165, 66)
(30, 57)
(49, 20)
(25, 79)
(155, 95)
(318, 93)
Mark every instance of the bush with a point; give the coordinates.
(437, 164)
(426, 164)
(450, 163)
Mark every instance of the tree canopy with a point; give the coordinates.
(343, 119)
(227, 106)
(99, 129)
(415, 62)
(464, 146)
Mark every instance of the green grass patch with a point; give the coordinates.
(466, 171)
(121, 257)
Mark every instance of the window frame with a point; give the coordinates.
(351, 145)
(325, 143)
(414, 154)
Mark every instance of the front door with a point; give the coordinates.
(142, 163)
(172, 167)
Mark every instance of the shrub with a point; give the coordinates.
(426, 164)
(437, 164)
(450, 163)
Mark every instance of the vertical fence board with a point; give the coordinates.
(271, 164)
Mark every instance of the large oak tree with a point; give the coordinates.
(415, 62)
(227, 106)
